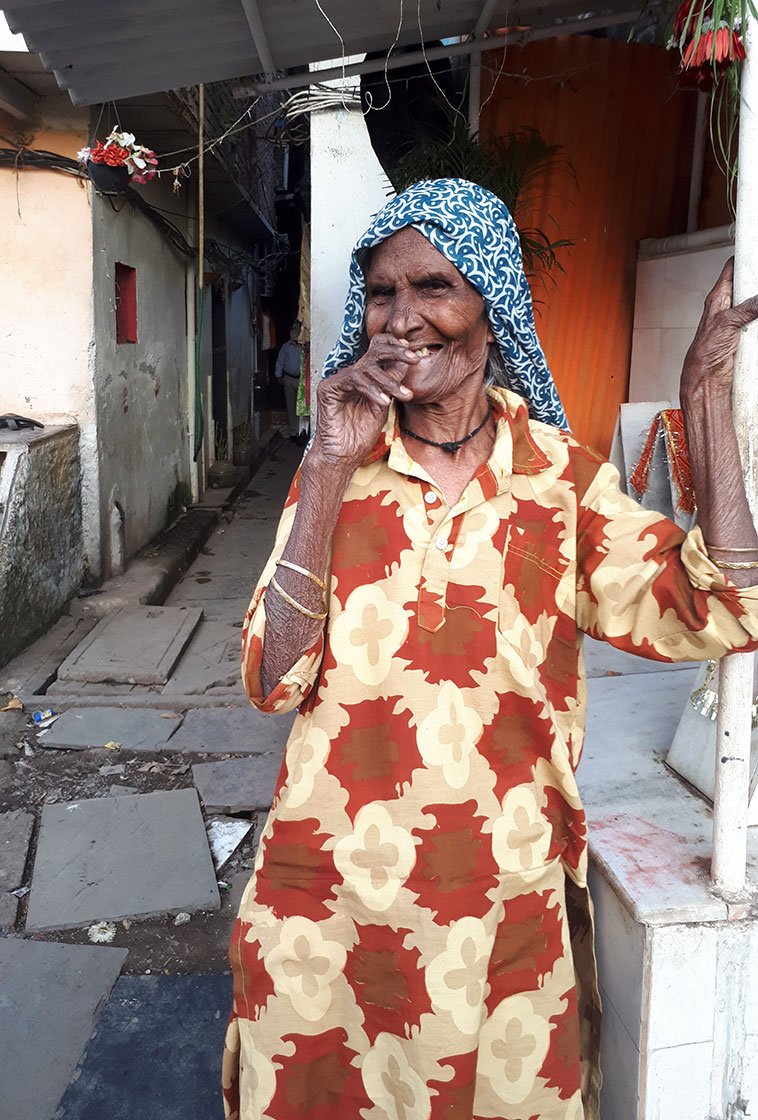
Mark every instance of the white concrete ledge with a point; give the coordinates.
(650, 834)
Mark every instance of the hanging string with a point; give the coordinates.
(97, 126)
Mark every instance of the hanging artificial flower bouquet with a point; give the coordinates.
(121, 150)
(708, 34)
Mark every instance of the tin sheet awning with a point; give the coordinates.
(103, 50)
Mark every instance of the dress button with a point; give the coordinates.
(430, 497)
(443, 544)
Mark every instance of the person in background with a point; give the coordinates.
(287, 371)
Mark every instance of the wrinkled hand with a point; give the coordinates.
(353, 404)
(710, 359)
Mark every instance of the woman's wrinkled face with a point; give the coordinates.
(415, 293)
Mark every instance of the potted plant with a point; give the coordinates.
(511, 167)
(243, 444)
(112, 164)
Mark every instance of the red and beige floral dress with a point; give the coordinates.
(415, 941)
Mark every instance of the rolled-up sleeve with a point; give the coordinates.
(648, 588)
(295, 685)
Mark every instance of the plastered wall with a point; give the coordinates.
(45, 298)
(141, 388)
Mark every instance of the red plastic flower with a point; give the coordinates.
(115, 156)
(720, 47)
(707, 55)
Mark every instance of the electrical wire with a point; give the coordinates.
(456, 110)
(40, 159)
(336, 32)
(493, 85)
(369, 96)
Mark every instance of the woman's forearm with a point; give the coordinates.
(289, 633)
(723, 512)
(706, 391)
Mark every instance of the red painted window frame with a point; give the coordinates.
(126, 303)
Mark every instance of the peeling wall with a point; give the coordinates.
(141, 388)
(40, 532)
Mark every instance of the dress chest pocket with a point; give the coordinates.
(536, 613)
(535, 579)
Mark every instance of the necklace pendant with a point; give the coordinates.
(451, 446)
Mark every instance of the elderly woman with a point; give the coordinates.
(415, 942)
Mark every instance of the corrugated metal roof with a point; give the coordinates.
(103, 50)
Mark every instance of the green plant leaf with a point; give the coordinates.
(510, 166)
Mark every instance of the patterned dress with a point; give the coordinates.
(415, 941)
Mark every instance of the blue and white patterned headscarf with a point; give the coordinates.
(474, 230)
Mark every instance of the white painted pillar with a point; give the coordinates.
(730, 803)
(348, 186)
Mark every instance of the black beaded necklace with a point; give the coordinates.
(450, 445)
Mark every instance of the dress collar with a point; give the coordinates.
(515, 450)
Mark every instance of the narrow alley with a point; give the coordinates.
(102, 837)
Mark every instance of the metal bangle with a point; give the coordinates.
(319, 617)
(729, 548)
(737, 565)
(303, 572)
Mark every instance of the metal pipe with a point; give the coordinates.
(475, 67)
(200, 184)
(474, 93)
(473, 46)
(686, 242)
(733, 728)
(698, 161)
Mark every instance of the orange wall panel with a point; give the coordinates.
(615, 110)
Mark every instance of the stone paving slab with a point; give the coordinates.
(15, 833)
(65, 689)
(221, 587)
(226, 610)
(156, 1052)
(602, 660)
(241, 730)
(8, 913)
(135, 645)
(136, 729)
(51, 995)
(238, 785)
(211, 660)
(121, 857)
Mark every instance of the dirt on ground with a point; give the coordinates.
(32, 776)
